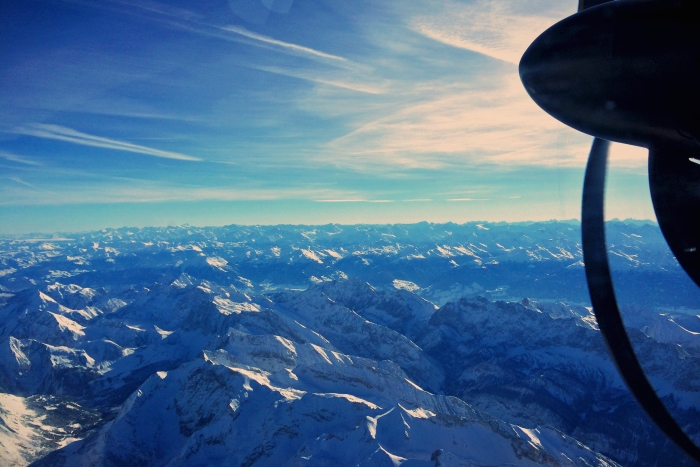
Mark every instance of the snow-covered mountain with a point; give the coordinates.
(265, 400)
(188, 346)
(440, 262)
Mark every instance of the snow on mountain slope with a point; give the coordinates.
(290, 351)
(399, 310)
(192, 316)
(16, 433)
(32, 427)
(547, 364)
(267, 401)
(352, 334)
(669, 331)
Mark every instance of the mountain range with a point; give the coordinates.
(337, 345)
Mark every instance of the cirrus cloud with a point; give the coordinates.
(61, 133)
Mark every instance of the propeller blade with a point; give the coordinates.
(600, 287)
(674, 181)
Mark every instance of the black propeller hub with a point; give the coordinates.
(626, 71)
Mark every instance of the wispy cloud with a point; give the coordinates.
(313, 75)
(354, 200)
(192, 22)
(478, 123)
(461, 116)
(69, 135)
(281, 44)
(22, 182)
(341, 200)
(123, 190)
(18, 159)
(468, 199)
(162, 9)
(626, 156)
(499, 29)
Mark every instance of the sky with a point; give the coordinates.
(214, 112)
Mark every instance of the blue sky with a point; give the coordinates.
(120, 113)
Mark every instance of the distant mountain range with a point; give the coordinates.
(337, 345)
(440, 262)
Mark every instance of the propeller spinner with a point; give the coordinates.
(629, 71)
